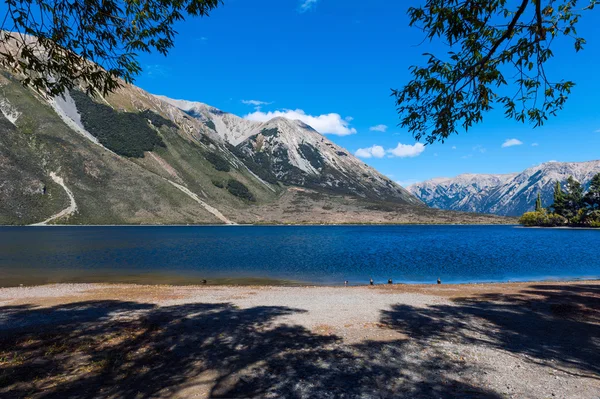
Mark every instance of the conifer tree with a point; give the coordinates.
(573, 200)
(538, 203)
(559, 201)
(592, 198)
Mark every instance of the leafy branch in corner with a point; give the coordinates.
(496, 47)
(56, 45)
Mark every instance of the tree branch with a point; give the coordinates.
(507, 33)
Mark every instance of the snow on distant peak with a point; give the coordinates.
(510, 194)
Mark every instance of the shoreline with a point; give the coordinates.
(263, 225)
(292, 284)
(493, 340)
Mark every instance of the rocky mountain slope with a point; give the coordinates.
(136, 158)
(510, 194)
(292, 152)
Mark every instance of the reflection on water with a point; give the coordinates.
(294, 254)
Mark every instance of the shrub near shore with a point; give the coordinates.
(570, 208)
(542, 219)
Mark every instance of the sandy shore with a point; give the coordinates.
(521, 340)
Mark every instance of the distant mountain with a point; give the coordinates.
(508, 195)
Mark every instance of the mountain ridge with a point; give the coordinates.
(506, 194)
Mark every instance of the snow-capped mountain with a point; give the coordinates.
(291, 152)
(508, 195)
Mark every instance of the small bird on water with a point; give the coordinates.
(390, 281)
(371, 282)
(439, 281)
(346, 283)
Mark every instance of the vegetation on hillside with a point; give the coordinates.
(217, 161)
(211, 125)
(157, 120)
(239, 190)
(312, 155)
(125, 133)
(572, 207)
(218, 183)
(259, 164)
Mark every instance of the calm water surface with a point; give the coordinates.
(293, 254)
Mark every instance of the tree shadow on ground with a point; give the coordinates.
(114, 349)
(552, 324)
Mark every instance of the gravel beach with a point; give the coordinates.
(516, 340)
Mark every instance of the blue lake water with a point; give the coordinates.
(295, 254)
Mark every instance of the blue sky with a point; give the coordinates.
(336, 61)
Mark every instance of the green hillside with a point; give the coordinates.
(109, 189)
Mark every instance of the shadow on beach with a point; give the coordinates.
(551, 324)
(118, 349)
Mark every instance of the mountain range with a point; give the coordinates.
(136, 158)
(507, 194)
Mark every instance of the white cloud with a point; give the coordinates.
(480, 148)
(307, 5)
(325, 124)
(454, 147)
(406, 150)
(597, 131)
(511, 143)
(378, 128)
(400, 151)
(376, 151)
(256, 103)
(534, 144)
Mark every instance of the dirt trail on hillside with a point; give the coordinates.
(209, 208)
(71, 209)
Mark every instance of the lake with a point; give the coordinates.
(295, 254)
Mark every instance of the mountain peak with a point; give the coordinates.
(292, 152)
